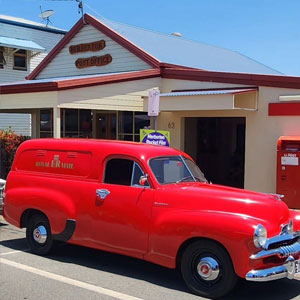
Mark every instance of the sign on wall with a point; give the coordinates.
(93, 46)
(153, 103)
(155, 137)
(94, 61)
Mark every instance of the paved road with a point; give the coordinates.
(72, 272)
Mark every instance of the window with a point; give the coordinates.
(76, 123)
(46, 123)
(123, 172)
(2, 59)
(130, 123)
(175, 169)
(20, 60)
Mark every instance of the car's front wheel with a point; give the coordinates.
(38, 235)
(207, 269)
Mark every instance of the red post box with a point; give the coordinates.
(288, 170)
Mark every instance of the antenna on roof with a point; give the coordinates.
(45, 15)
(80, 9)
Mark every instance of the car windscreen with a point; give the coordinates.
(175, 169)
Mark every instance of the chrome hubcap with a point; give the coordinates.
(208, 268)
(40, 234)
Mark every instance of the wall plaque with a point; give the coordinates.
(93, 46)
(94, 61)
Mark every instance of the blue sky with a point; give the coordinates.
(265, 30)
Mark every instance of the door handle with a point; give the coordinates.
(102, 193)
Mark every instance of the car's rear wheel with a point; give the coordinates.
(38, 235)
(207, 269)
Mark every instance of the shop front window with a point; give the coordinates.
(76, 123)
(130, 123)
(46, 123)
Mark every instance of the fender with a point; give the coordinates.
(57, 206)
(171, 228)
(296, 218)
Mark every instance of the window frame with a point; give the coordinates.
(135, 162)
(2, 58)
(24, 55)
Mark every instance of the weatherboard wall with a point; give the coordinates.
(63, 64)
(43, 38)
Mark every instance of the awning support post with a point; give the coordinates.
(56, 122)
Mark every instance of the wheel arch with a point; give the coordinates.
(28, 214)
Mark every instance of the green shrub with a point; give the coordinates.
(10, 142)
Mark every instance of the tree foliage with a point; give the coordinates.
(10, 142)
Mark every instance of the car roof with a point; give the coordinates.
(105, 147)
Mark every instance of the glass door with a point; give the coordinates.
(106, 125)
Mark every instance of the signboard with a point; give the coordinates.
(93, 46)
(155, 137)
(153, 103)
(94, 61)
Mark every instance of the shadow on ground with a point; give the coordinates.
(283, 289)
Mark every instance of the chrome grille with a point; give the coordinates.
(286, 251)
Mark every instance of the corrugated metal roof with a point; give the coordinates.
(184, 52)
(20, 44)
(208, 92)
(30, 24)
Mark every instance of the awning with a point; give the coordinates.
(218, 99)
(20, 44)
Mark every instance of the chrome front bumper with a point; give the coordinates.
(287, 270)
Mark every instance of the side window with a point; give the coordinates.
(122, 172)
(118, 171)
(136, 175)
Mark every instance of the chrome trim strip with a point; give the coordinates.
(287, 270)
(283, 251)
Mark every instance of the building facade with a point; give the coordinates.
(217, 104)
(23, 45)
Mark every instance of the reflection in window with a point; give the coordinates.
(76, 123)
(20, 60)
(46, 123)
(174, 169)
(130, 124)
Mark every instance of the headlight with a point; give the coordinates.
(260, 236)
(290, 227)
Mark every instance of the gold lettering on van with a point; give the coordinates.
(55, 164)
(42, 164)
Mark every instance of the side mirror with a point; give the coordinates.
(143, 180)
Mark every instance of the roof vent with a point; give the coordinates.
(177, 34)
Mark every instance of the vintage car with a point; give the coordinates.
(153, 203)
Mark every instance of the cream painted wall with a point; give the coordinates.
(28, 100)
(125, 96)
(168, 85)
